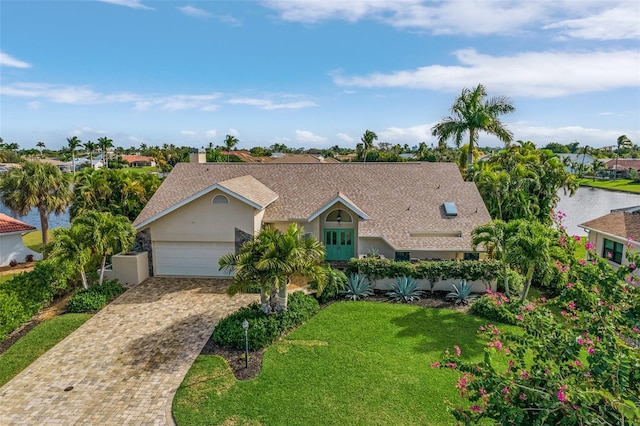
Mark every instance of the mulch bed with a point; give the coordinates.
(235, 357)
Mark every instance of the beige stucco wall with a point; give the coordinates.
(201, 220)
(598, 238)
(384, 249)
(129, 269)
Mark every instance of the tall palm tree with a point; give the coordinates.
(271, 258)
(229, 142)
(36, 185)
(69, 246)
(42, 146)
(90, 147)
(106, 234)
(472, 113)
(91, 190)
(367, 142)
(104, 143)
(622, 142)
(73, 143)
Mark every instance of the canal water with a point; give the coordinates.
(33, 218)
(590, 203)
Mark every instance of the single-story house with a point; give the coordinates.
(400, 210)
(83, 163)
(11, 245)
(139, 160)
(615, 233)
(279, 157)
(621, 167)
(63, 166)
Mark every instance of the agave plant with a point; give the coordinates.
(463, 294)
(358, 286)
(404, 290)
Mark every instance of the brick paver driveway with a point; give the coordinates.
(126, 362)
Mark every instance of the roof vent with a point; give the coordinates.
(450, 209)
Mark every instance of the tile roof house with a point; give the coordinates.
(11, 245)
(204, 210)
(139, 160)
(615, 233)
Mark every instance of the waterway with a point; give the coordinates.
(33, 218)
(590, 203)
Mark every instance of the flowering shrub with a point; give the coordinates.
(573, 369)
(496, 307)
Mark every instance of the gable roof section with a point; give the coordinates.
(9, 225)
(618, 223)
(250, 190)
(398, 198)
(340, 198)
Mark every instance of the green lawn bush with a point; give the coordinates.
(264, 329)
(25, 294)
(95, 297)
(497, 307)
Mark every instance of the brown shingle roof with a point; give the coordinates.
(621, 224)
(399, 198)
(9, 225)
(252, 189)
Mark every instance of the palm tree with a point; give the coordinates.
(106, 234)
(472, 114)
(42, 146)
(91, 189)
(73, 143)
(36, 185)
(622, 142)
(495, 237)
(271, 258)
(229, 142)
(69, 247)
(367, 142)
(90, 147)
(104, 143)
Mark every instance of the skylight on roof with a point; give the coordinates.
(450, 209)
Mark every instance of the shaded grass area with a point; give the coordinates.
(39, 340)
(626, 185)
(353, 363)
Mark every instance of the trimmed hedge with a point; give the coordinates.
(95, 297)
(25, 294)
(264, 329)
(472, 270)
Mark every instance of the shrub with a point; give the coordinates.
(462, 295)
(28, 258)
(404, 290)
(95, 297)
(264, 329)
(358, 286)
(496, 307)
(335, 281)
(13, 263)
(12, 314)
(516, 281)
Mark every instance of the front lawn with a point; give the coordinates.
(626, 185)
(35, 343)
(33, 240)
(353, 363)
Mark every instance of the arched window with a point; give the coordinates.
(220, 199)
(339, 216)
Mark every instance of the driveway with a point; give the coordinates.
(125, 364)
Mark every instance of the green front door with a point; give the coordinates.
(339, 243)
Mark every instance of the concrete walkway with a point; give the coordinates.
(124, 364)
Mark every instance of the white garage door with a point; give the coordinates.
(189, 258)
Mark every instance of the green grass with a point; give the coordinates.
(33, 240)
(5, 278)
(35, 343)
(625, 185)
(353, 363)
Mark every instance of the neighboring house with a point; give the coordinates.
(615, 233)
(279, 157)
(11, 245)
(139, 160)
(64, 166)
(621, 168)
(573, 160)
(403, 210)
(83, 163)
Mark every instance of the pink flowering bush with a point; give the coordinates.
(582, 367)
(497, 307)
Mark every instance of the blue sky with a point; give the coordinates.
(313, 73)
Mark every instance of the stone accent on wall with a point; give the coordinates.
(241, 238)
(143, 243)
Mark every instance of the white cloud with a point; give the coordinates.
(619, 22)
(233, 132)
(268, 104)
(86, 132)
(605, 113)
(189, 133)
(344, 137)
(414, 134)
(194, 11)
(541, 135)
(306, 136)
(211, 134)
(133, 4)
(536, 74)
(7, 60)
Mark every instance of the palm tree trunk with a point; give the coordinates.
(273, 299)
(84, 278)
(529, 279)
(102, 267)
(44, 224)
(506, 279)
(470, 150)
(264, 301)
(282, 298)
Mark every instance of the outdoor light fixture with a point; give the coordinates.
(339, 217)
(245, 327)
